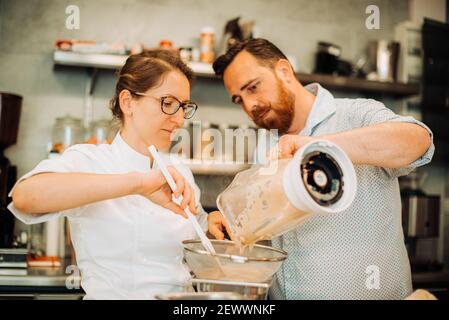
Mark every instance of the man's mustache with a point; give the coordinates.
(258, 111)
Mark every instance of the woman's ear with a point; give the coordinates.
(284, 70)
(126, 105)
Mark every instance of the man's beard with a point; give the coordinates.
(283, 109)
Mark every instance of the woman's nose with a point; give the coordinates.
(178, 117)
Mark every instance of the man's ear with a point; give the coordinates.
(125, 99)
(284, 70)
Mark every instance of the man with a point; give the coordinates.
(358, 253)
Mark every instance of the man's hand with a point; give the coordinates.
(287, 146)
(216, 225)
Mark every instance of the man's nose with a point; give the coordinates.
(250, 104)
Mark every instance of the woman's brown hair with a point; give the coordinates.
(144, 71)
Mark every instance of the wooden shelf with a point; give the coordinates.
(360, 85)
(204, 71)
(349, 84)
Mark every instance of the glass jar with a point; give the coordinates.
(186, 54)
(207, 42)
(67, 131)
(37, 239)
(102, 131)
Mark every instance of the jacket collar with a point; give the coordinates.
(132, 159)
(323, 108)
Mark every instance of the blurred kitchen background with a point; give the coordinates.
(59, 84)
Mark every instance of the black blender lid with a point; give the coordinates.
(322, 178)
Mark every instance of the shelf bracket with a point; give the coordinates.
(88, 96)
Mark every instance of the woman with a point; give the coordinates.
(125, 228)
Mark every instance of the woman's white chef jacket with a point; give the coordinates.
(129, 247)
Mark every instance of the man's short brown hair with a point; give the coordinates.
(263, 50)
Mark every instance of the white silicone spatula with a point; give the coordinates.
(204, 240)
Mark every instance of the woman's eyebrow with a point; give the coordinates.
(171, 96)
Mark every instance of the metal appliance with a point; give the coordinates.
(10, 107)
(326, 58)
(383, 58)
(11, 259)
(410, 63)
(420, 222)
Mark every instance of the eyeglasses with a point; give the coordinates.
(170, 105)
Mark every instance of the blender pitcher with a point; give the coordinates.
(261, 205)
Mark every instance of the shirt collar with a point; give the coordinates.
(322, 108)
(132, 159)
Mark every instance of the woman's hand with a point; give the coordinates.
(287, 146)
(216, 225)
(154, 187)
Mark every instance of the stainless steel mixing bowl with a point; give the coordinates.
(201, 296)
(230, 263)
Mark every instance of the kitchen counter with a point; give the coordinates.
(53, 277)
(436, 282)
(41, 283)
(46, 281)
(431, 277)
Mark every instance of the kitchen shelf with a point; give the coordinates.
(350, 84)
(395, 89)
(114, 61)
(209, 167)
(90, 60)
(202, 70)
